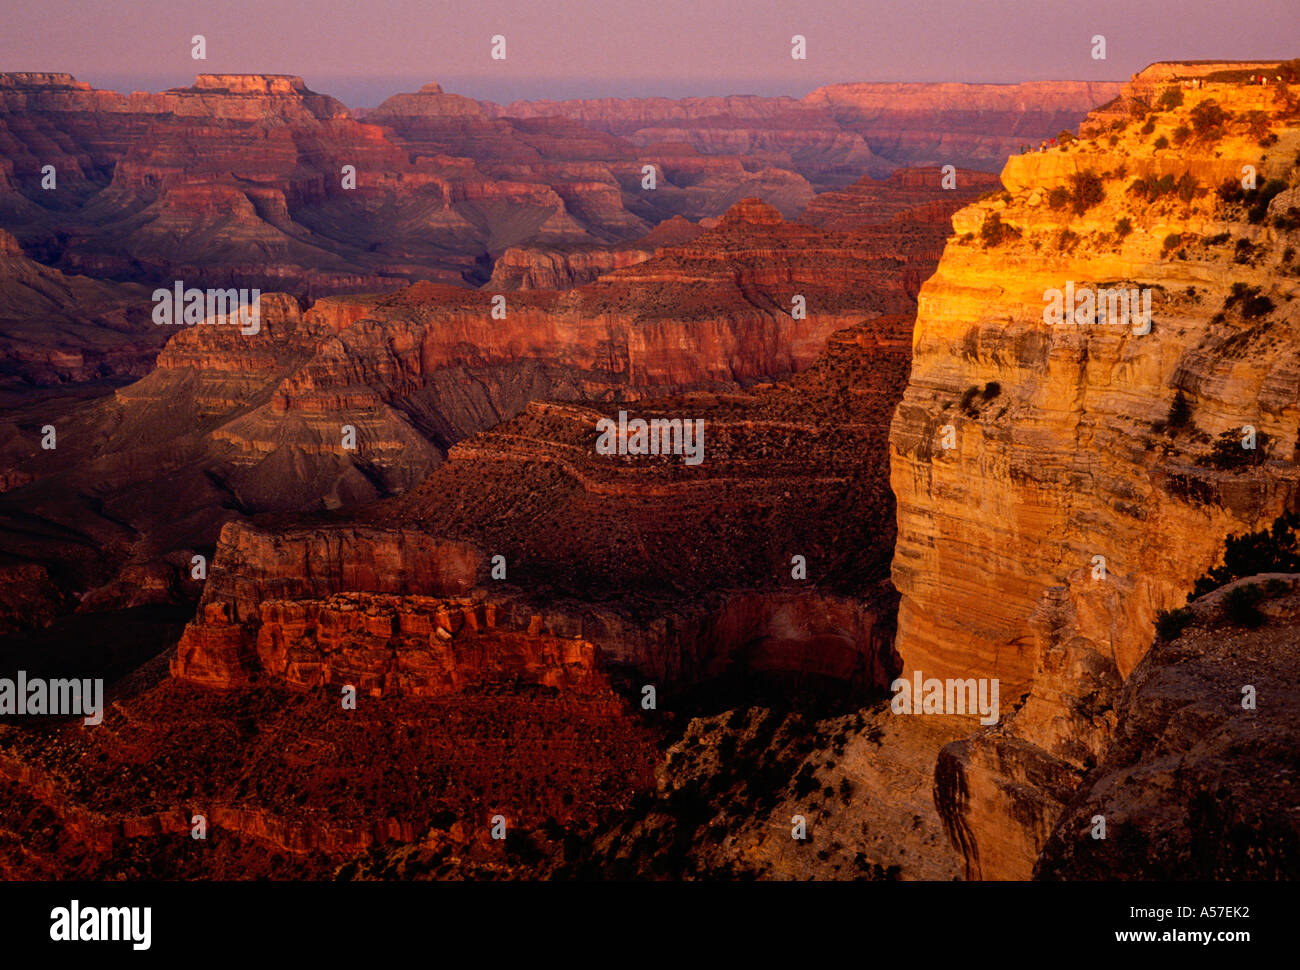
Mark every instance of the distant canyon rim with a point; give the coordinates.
(414, 479)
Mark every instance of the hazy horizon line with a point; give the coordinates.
(363, 91)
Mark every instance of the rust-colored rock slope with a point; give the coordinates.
(230, 424)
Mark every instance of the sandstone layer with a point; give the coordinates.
(1089, 472)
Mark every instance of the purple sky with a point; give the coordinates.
(362, 51)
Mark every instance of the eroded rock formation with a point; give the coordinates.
(1088, 472)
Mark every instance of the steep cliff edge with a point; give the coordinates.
(1088, 472)
(1195, 704)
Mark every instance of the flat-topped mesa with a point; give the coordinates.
(251, 83)
(250, 97)
(41, 79)
(1154, 77)
(1087, 468)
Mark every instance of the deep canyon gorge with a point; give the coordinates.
(391, 493)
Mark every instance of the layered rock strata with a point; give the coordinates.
(1088, 472)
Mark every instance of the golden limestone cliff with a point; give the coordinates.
(1061, 482)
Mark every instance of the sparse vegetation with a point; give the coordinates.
(1241, 605)
(1208, 120)
(1248, 301)
(1172, 241)
(1170, 624)
(1170, 98)
(994, 232)
(1229, 453)
(1271, 550)
(1255, 200)
(1152, 187)
(1180, 413)
(1161, 142)
(1086, 190)
(1123, 227)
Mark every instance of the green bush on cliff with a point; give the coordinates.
(1248, 301)
(1180, 413)
(1255, 200)
(994, 232)
(1162, 142)
(1241, 605)
(1086, 190)
(1228, 453)
(1170, 624)
(1208, 120)
(1170, 98)
(1271, 550)
(1123, 227)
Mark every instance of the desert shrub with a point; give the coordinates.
(1257, 122)
(1217, 240)
(1286, 221)
(994, 232)
(1150, 126)
(1172, 241)
(1227, 453)
(991, 390)
(1186, 187)
(1170, 98)
(1271, 550)
(1170, 624)
(1123, 227)
(1255, 200)
(1208, 120)
(1180, 413)
(1086, 190)
(1066, 240)
(1181, 134)
(1244, 251)
(1256, 306)
(1152, 187)
(1241, 605)
(1248, 301)
(1059, 197)
(1162, 142)
(805, 782)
